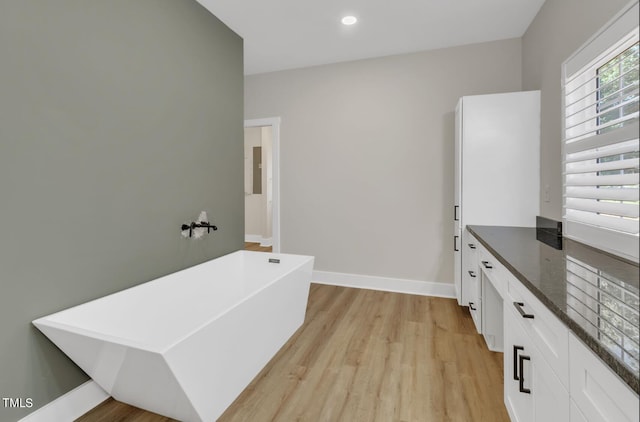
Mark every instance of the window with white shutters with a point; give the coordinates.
(601, 147)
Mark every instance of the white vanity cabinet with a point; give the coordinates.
(532, 390)
(486, 281)
(549, 374)
(547, 332)
(517, 348)
(597, 394)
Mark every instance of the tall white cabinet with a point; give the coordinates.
(497, 173)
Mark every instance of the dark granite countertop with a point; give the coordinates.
(593, 293)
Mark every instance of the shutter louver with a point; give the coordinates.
(601, 148)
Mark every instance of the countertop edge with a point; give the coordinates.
(611, 361)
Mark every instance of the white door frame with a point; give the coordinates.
(274, 122)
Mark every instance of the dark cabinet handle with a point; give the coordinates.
(487, 265)
(516, 377)
(455, 244)
(521, 360)
(472, 274)
(455, 213)
(471, 306)
(472, 246)
(519, 306)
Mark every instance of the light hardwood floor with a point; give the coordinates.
(250, 246)
(364, 355)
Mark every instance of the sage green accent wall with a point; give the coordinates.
(119, 121)
(559, 29)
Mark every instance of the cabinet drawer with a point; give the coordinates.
(471, 244)
(493, 269)
(549, 334)
(598, 393)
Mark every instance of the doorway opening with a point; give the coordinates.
(261, 184)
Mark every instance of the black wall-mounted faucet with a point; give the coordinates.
(201, 224)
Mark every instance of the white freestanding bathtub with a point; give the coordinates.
(185, 345)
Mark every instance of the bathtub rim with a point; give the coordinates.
(165, 346)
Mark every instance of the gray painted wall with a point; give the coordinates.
(367, 155)
(119, 120)
(560, 28)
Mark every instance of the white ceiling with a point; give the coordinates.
(286, 34)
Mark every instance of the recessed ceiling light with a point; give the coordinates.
(349, 20)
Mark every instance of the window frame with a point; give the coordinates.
(600, 49)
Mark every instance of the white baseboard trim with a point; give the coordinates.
(253, 238)
(266, 241)
(256, 238)
(71, 405)
(397, 285)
